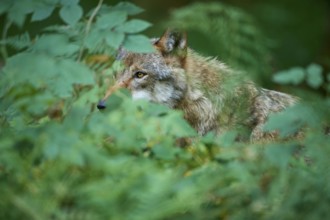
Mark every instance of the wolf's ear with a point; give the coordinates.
(172, 42)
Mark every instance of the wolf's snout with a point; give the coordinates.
(101, 105)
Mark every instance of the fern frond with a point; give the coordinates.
(228, 33)
(18, 42)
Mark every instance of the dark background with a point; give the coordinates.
(299, 30)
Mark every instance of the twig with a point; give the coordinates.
(91, 18)
(89, 24)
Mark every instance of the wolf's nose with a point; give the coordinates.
(101, 105)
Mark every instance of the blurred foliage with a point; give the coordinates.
(299, 30)
(290, 33)
(62, 159)
(228, 32)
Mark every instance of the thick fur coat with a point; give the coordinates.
(212, 96)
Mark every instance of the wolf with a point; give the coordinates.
(212, 96)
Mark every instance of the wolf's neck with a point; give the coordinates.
(208, 67)
(198, 111)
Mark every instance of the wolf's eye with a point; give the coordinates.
(139, 74)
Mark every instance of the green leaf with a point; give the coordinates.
(42, 13)
(110, 20)
(293, 76)
(176, 126)
(36, 104)
(94, 38)
(19, 11)
(208, 138)
(130, 8)
(292, 120)
(79, 73)
(138, 44)
(63, 46)
(68, 74)
(133, 26)
(227, 139)
(114, 39)
(68, 149)
(5, 5)
(28, 68)
(165, 153)
(114, 101)
(227, 154)
(155, 109)
(61, 75)
(279, 154)
(69, 2)
(314, 76)
(71, 14)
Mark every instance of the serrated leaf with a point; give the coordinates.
(293, 76)
(314, 76)
(61, 75)
(69, 73)
(93, 38)
(29, 68)
(79, 73)
(114, 39)
(133, 26)
(63, 46)
(138, 44)
(18, 42)
(71, 14)
(42, 13)
(110, 20)
(130, 8)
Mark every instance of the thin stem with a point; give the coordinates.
(91, 18)
(4, 36)
(89, 24)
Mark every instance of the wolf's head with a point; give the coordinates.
(157, 77)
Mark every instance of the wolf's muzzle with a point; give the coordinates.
(123, 84)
